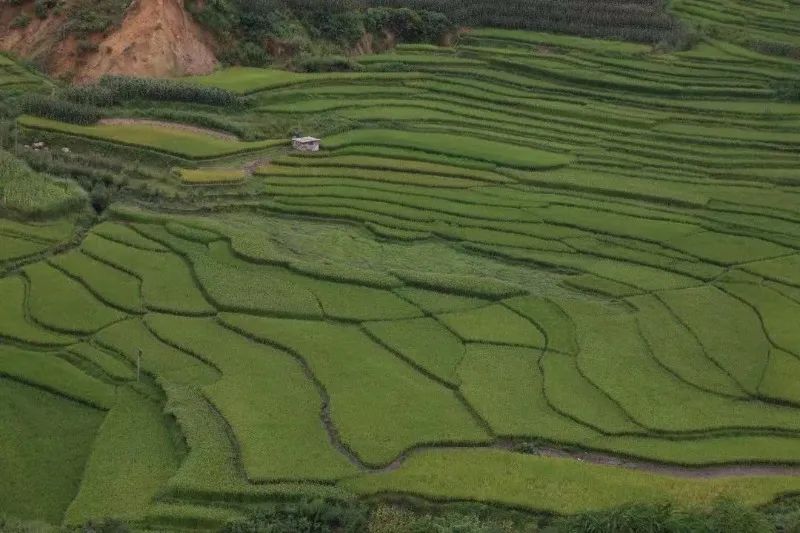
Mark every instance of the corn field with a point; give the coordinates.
(633, 20)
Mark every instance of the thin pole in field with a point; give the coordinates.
(138, 365)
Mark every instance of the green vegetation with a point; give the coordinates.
(548, 484)
(44, 457)
(211, 176)
(131, 459)
(520, 246)
(28, 193)
(394, 408)
(171, 140)
(268, 401)
(510, 155)
(62, 304)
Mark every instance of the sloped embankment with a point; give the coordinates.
(156, 38)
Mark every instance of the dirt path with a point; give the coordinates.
(605, 459)
(173, 125)
(697, 472)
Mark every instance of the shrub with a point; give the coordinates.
(21, 21)
(776, 48)
(406, 24)
(642, 21)
(124, 88)
(311, 516)
(96, 95)
(106, 525)
(61, 110)
(724, 517)
(329, 64)
(91, 16)
(788, 91)
(11, 525)
(41, 7)
(86, 46)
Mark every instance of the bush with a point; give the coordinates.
(124, 88)
(11, 525)
(41, 7)
(312, 516)
(724, 517)
(107, 525)
(86, 46)
(21, 21)
(406, 24)
(787, 91)
(92, 16)
(328, 64)
(95, 95)
(643, 20)
(776, 48)
(61, 110)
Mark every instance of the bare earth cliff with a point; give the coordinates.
(155, 38)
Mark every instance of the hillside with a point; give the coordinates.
(531, 281)
(155, 38)
(82, 41)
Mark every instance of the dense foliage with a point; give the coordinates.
(291, 27)
(124, 88)
(60, 109)
(633, 20)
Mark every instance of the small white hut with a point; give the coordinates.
(306, 144)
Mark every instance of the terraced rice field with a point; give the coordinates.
(160, 138)
(527, 239)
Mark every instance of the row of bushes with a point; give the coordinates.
(84, 105)
(60, 109)
(640, 21)
(296, 27)
(320, 516)
(787, 91)
(112, 90)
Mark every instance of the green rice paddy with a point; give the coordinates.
(531, 240)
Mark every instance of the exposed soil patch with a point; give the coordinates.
(172, 125)
(156, 38)
(251, 166)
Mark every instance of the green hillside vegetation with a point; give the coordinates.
(31, 194)
(527, 275)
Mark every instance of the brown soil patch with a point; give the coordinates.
(157, 38)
